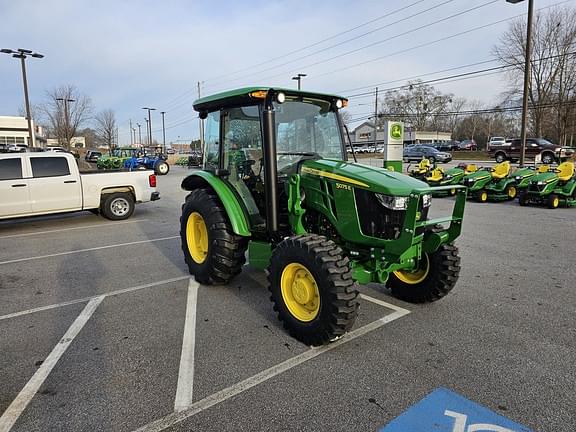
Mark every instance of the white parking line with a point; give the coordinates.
(85, 299)
(242, 386)
(106, 224)
(185, 386)
(19, 404)
(86, 250)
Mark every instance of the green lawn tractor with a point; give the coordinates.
(450, 177)
(493, 184)
(276, 183)
(422, 170)
(552, 188)
(524, 175)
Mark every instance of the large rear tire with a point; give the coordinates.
(162, 168)
(312, 289)
(435, 277)
(213, 252)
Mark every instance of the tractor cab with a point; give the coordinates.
(276, 183)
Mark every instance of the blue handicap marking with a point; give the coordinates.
(446, 411)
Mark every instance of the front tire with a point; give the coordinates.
(511, 191)
(435, 277)
(312, 289)
(523, 199)
(500, 157)
(117, 206)
(162, 168)
(213, 252)
(553, 201)
(547, 158)
(482, 196)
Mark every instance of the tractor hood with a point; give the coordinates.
(363, 176)
(522, 173)
(544, 178)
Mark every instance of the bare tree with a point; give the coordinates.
(106, 127)
(552, 71)
(66, 110)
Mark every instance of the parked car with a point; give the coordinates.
(170, 151)
(549, 152)
(496, 142)
(418, 152)
(92, 156)
(468, 145)
(56, 149)
(44, 183)
(17, 148)
(447, 146)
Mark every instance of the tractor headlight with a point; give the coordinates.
(393, 203)
(518, 178)
(541, 183)
(280, 97)
(426, 200)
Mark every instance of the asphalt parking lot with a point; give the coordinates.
(102, 329)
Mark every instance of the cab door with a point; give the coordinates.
(14, 188)
(53, 187)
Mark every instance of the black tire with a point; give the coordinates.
(522, 199)
(338, 293)
(117, 206)
(226, 250)
(548, 158)
(432, 159)
(553, 201)
(162, 168)
(443, 272)
(500, 157)
(482, 196)
(511, 191)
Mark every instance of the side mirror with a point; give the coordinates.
(203, 115)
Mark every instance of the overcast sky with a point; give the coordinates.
(127, 54)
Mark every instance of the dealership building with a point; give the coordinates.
(14, 130)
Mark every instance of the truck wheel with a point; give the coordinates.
(547, 158)
(117, 206)
(162, 168)
(510, 191)
(312, 289)
(553, 201)
(500, 157)
(435, 277)
(213, 253)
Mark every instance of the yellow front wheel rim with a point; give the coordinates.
(416, 276)
(300, 292)
(512, 192)
(197, 237)
(556, 202)
(483, 197)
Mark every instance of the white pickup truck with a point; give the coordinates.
(42, 183)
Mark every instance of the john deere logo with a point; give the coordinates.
(396, 131)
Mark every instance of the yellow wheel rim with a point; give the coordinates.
(300, 292)
(452, 191)
(556, 202)
(197, 237)
(483, 197)
(416, 276)
(512, 192)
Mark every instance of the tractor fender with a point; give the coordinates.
(234, 209)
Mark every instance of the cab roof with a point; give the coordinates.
(242, 96)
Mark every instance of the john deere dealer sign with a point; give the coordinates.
(394, 145)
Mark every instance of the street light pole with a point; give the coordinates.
(163, 133)
(22, 54)
(147, 131)
(149, 124)
(375, 118)
(299, 78)
(527, 74)
(139, 134)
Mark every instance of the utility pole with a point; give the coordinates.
(299, 78)
(66, 119)
(163, 133)
(131, 140)
(22, 54)
(375, 118)
(201, 121)
(139, 134)
(149, 125)
(148, 141)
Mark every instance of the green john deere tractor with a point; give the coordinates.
(276, 183)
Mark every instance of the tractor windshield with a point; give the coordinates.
(308, 127)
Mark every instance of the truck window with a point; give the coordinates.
(49, 166)
(10, 169)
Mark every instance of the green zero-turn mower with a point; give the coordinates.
(450, 177)
(552, 188)
(491, 183)
(276, 182)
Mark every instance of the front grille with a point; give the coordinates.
(533, 187)
(377, 220)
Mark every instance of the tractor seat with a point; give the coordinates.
(565, 171)
(437, 175)
(543, 169)
(470, 168)
(424, 165)
(501, 170)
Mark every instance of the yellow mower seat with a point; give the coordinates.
(565, 171)
(543, 169)
(470, 168)
(501, 170)
(424, 165)
(437, 175)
